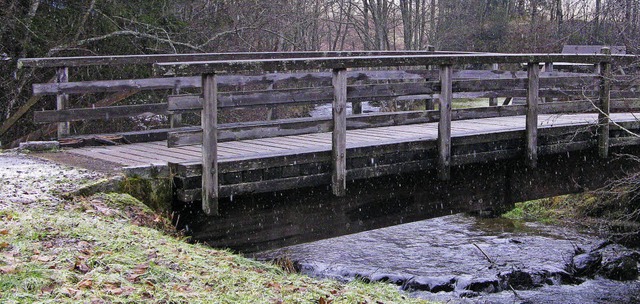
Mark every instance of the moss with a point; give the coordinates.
(155, 193)
(537, 210)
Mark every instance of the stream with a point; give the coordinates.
(467, 259)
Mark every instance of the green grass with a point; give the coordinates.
(111, 248)
(542, 211)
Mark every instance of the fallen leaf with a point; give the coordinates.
(4, 231)
(141, 268)
(86, 283)
(115, 291)
(48, 288)
(133, 278)
(81, 266)
(42, 258)
(70, 292)
(4, 245)
(8, 269)
(274, 285)
(324, 300)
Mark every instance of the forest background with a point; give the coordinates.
(50, 28)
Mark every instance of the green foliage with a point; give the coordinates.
(538, 210)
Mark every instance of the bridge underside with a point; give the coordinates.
(271, 220)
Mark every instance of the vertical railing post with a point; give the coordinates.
(339, 134)
(533, 87)
(210, 144)
(429, 103)
(605, 108)
(62, 101)
(444, 125)
(548, 67)
(175, 119)
(493, 101)
(356, 107)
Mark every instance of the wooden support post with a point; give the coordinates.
(356, 107)
(62, 102)
(493, 101)
(339, 134)
(603, 115)
(175, 119)
(533, 86)
(548, 67)
(430, 103)
(210, 144)
(444, 125)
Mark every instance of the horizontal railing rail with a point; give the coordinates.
(78, 61)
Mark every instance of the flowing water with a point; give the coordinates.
(465, 259)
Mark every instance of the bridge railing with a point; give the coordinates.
(63, 86)
(595, 91)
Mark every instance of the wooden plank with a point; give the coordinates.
(7, 124)
(548, 67)
(326, 63)
(444, 125)
(106, 157)
(99, 113)
(209, 119)
(531, 150)
(146, 156)
(62, 102)
(99, 86)
(339, 134)
(605, 106)
(157, 58)
(275, 185)
(559, 87)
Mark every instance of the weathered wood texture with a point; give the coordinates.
(157, 58)
(532, 114)
(297, 126)
(62, 101)
(210, 145)
(604, 106)
(444, 125)
(339, 134)
(281, 65)
(260, 165)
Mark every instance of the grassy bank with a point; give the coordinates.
(112, 248)
(612, 212)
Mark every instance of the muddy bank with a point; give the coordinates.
(466, 259)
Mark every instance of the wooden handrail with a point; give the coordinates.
(328, 63)
(78, 61)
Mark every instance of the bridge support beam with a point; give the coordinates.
(339, 134)
(605, 107)
(533, 86)
(210, 144)
(62, 102)
(444, 125)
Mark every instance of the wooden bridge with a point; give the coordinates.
(562, 112)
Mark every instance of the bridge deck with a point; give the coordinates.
(157, 153)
